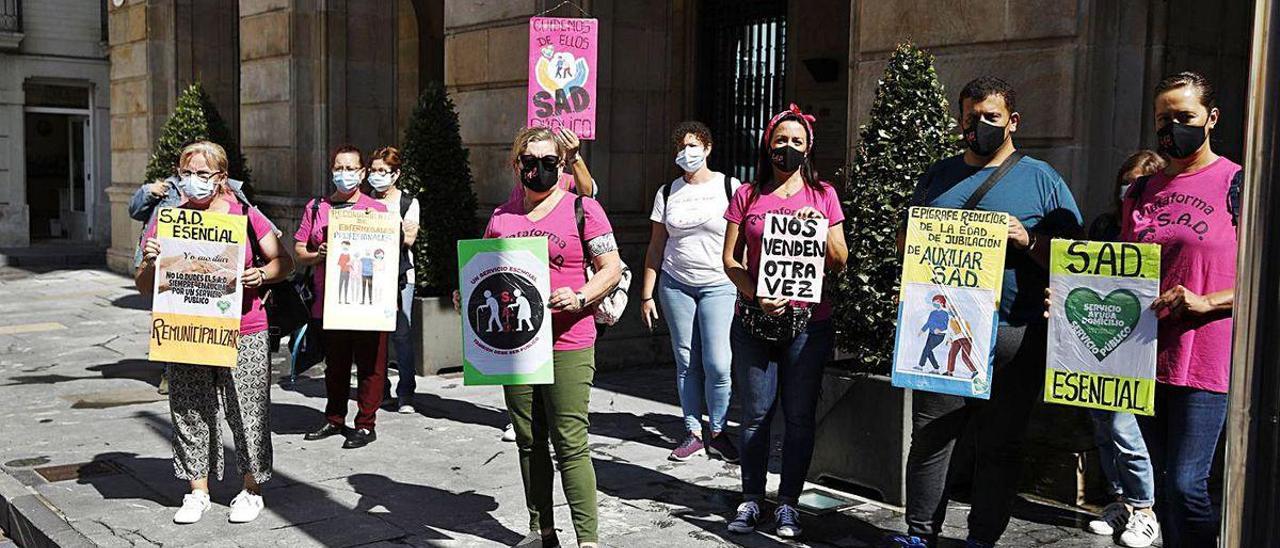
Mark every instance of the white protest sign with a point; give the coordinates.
(793, 255)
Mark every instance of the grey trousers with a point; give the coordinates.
(243, 394)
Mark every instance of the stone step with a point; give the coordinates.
(54, 255)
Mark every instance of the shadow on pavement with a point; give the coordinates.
(423, 507)
(141, 370)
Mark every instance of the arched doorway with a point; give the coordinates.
(419, 53)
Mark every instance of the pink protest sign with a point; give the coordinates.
(562, 74)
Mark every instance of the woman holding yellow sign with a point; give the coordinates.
(194, 390)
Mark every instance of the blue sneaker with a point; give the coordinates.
(747, 519)
(903, 541)
(978, 544)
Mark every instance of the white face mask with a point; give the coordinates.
(1124, 190)
(346, 181)
(195, 188)
(380, 181)
(690, 159)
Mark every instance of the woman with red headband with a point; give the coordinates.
(780, 347)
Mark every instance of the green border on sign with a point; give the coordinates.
(467, 250)
(1143, 395)
(1060, 259)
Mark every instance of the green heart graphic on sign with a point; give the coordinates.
(223, 306)
(1102, 324)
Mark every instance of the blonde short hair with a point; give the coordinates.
(213, 153)
(532, 135)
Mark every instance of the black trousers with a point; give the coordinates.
(995, 428)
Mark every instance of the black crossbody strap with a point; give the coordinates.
(1005, 167)
(581, 217)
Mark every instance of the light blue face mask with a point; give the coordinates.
(195, 188)
(380, 181)
(346, 181)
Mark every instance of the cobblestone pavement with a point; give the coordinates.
(84, 427)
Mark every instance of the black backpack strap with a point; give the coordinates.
(1138, 188)
(581, 217)
(1233, 196)
(666, 200)
(405, 201)
(728, 187)
(1005, 167)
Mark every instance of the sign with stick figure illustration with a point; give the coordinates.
(362, 269)
(504, 284)
(562, 74)
(952, 269)
(1102, 331)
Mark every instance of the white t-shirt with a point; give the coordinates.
(695, 230)
(413, 215)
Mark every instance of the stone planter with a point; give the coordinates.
(864, 433)
(438, 344)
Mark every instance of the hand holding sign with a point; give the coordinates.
(793, 252)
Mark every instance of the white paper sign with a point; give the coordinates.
(793, 255)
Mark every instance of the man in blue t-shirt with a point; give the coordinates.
(1040, 207)
(936, 329)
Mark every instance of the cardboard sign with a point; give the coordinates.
(562, 74)
(362, 269)
(948, 307)
(1102, 331)
(793, 256)
(506, 324)
(197, 299)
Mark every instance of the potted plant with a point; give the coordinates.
(862, 417)
(437, 172)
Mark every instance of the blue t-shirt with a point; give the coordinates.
(937, 321)
(366, 266)
(1034, 193)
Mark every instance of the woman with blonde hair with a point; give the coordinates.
(245, 390)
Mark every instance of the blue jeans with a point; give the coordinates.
(767, 374)
(1125, 460)
(402, 343)
(1182, 437)
(699, 320)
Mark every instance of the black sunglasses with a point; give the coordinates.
(529, 161)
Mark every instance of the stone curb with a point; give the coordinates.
(31, 522)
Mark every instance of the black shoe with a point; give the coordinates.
(536, 540)
(360, 438)
(325, 431)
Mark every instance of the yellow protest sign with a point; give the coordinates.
(197, 299)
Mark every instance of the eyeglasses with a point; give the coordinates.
(378, 171)
(529, 161)
(202, 175)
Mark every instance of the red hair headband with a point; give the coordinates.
(806, 119)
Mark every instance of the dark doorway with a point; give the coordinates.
(58, 141)
(742, 74)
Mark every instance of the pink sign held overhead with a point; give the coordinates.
(562, 74)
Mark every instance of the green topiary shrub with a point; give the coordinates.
(435, 170)
(194, 118)
(911, 127)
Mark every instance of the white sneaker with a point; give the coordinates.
(245, 507)
(509, 434)
(1113, 518)
(194, 505)
(1141, 531)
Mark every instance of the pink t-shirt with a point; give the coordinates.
(1189, 216)
(253, 317)
(572, 330)
(826, 202)
(565, 182)
(314, 230)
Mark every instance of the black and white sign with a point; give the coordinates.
(793, 254)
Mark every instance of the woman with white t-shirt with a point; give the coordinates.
(697, 297)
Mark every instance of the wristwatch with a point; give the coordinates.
(582, 299)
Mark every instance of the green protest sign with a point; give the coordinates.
(1102, 332)
(504, 284)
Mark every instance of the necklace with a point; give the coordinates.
(787, 192)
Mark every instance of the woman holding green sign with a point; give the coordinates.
(243, 393)
(1191, 210)
(557, 413)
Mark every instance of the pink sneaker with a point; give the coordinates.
(692, 445)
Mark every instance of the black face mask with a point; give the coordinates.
(539, 178)
(786, 158)
(984, 139)
(1180, 140)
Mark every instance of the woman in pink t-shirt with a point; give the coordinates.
(1190, 210)
(366, 349)
(194, 390)
(557, 413)
(784, 372)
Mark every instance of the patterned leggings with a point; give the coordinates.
(245, 393)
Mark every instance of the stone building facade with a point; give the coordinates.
(298, 77)
(54, 125)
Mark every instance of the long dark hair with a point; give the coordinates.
(764, 165)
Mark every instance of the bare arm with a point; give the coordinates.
(736, 271)
(582, 178)
(306, 257)
(653, 257)
(837, 250)
(279, 264)
(144, 277)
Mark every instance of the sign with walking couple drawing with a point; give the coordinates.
(197, 299)
(1102, 331)
(952, 269)
(362, 267)
(506, 325)
(562, 74)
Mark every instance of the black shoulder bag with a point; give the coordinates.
(1005, 167)
(285, 308)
